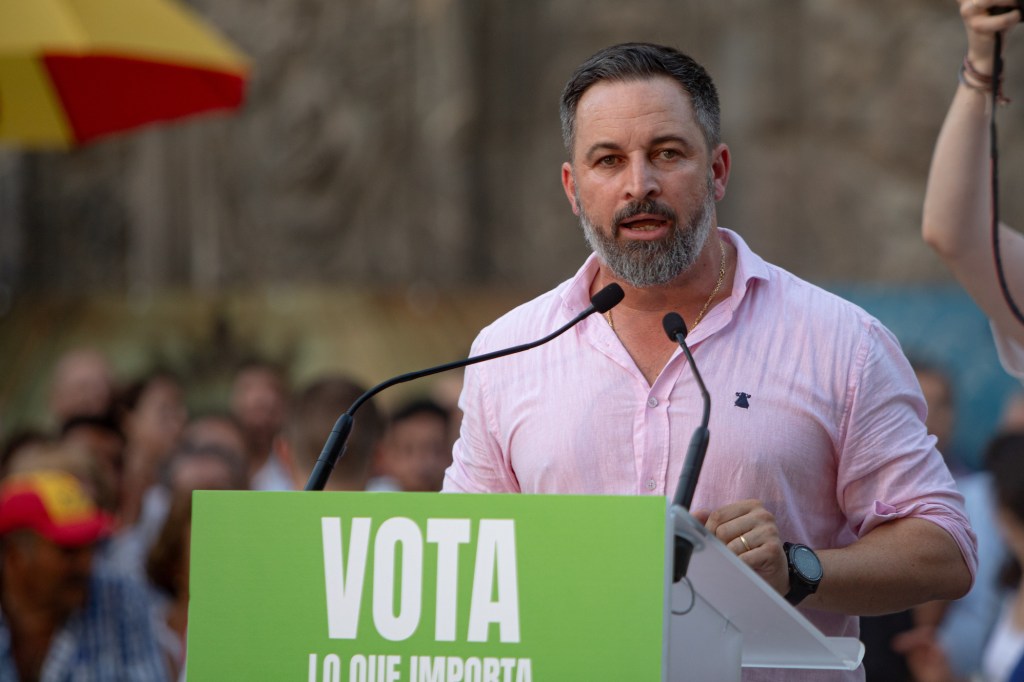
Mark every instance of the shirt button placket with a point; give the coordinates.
(651, 484)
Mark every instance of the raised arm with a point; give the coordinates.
(957, 206)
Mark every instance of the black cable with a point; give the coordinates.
(997, 75)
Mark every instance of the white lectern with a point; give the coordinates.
(723, 617)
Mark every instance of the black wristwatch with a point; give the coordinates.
(804, 572)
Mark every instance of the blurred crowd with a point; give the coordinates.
(95, 512)
(975, 638)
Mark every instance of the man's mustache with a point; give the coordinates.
(645, 207)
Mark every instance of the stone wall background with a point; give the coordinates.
(392, 183)
(395, 142)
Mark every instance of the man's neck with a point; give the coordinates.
(637, 321)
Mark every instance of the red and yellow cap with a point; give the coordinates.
(53, 504)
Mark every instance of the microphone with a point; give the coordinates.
(601, 302)
(675, 328)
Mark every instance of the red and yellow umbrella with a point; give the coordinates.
(72, 71)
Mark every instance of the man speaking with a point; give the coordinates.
(819, 438)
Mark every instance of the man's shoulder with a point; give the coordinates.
(528, 321)
(777, 292)
(783, 288)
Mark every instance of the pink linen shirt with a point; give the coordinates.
(814, 410)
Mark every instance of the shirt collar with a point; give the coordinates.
(749, 266)
(575, 293)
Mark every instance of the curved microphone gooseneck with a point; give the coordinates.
(601, 302)
(675, 328)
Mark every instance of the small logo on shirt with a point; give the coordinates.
(741, 400)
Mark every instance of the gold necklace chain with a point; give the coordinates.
(714, 292)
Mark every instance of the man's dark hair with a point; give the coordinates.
(418, 406)
(128, 398)
(317, 408)
(17, 440)
(641, 61)
(1003, 457)
(106, 422)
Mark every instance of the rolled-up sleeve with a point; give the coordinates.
(890, 468)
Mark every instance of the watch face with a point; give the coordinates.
(806, 564)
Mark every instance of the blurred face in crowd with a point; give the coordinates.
(204, 473)
(1012, 417)
(48, 576)
(82, 385)
(416, 452)
(155, 424)
(1011, 528)
(106, 448)
(259, 401)
(939, 397)
(216, 431)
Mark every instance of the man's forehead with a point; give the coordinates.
(656, 108)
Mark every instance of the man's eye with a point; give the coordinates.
(607, 161)
(669, 154)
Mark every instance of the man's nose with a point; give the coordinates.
(642, 180)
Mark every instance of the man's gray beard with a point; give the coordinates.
(652, 263)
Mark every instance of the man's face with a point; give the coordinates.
(156, 423)
(642, 180)
(53, 577)
(217, 432)
(107, 450)
(416, 453)
(202, 473)
(259, 401)
(82, 385)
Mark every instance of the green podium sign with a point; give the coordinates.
(402, 587)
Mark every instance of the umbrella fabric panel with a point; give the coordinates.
(105, 94)
(31, 111)
(29, 26)
(75, 70)
(160, 30)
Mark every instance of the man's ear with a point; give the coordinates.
(569, 185)
(721, 164)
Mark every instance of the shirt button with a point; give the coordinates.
(651, 485)
(652, 402)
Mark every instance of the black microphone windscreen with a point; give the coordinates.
(607, 298)
(674, 325)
